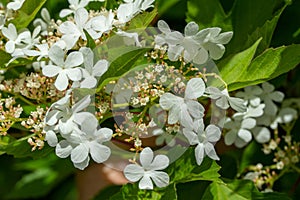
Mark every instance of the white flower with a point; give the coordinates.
(11, 33)
(127, 11)
(204, 139)
(90, 70)
(251, 95)
(148, 170)
(194, 45)
(74, 6)
(71, 32)
(212, 41)
(84, 141)
(28, 39)
(223, 100)
(285, 116)
(101, 24)
(268, 96)
(261, 134)
(45, 23)
(15, 5)
(183, 110)
(43, 51)
(239, 133)
(65, 69)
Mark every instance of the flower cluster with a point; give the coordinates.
(194, 46)
(9, 114)
(262, 116)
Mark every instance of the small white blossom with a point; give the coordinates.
(204, 139)
(64, 68)
(101, 24)
(84, 141)
(45, 22)
(130, 8)
(194, 46)
(91, 70)
(72, 31)
(74, 6)
(239, 133)
(251, 95)
(212, 40)
(15, 5)
(223, 100)
(183, 110)
(148, 171)
(268, 96)
(285, 116)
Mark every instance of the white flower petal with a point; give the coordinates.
(63, 149)
(195, 109)
(146, 157)
(104, 135)
(163, 26)
(245, 135)
(261, 134)
(88, 82)
(167, 100)
(51, 138)
(56, 55)
(191, 29)
(79, 153)
(82, 165)
(195, 88)
(51, 70)
(74, 59)
(230, 137)
(159, 162)
(248, 123)
(201, 56)
(65, 12)
(210, 151)
(10, 47)
(199, 153)
(237, 104)
(61, 82)
(213, 133)
(133, 172)
(99, 152)
(191, 136)
(161, 179)
(82, 104)
(100, 68)
(146, 183)
(74, 74)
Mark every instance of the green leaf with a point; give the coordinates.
(143, 20)
(207, 14)
(234, 66)
(268, 65)
(90, 41)
(185, 169)
(265, 31)
(170, 192)
(238, 190)
(27, 13)
(5, 57)
(123, 59)
(245, 22)
(21, 148)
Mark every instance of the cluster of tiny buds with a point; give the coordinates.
(262, 176)
(35, 122)
(37, 141)
(33, 86)
(285, 156)
(9, 114)
(102, 105)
